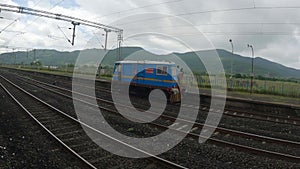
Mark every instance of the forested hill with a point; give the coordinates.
(235, 63)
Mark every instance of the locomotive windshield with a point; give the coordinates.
(118, 68)
(162, 70)
(174, 71)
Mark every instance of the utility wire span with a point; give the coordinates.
(13, 31)
(98, 39)
(14, 47)
(75, 21)
(19, 17)
(175, 27)
(245, 33)
(141, 7)
(56, 16)
(64, 34)
(55, 37)
(240, 9)
(254, 5)
(8, 25)
(57, 4)
(212, 11)
(40, 16)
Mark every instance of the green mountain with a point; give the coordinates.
(231, 63)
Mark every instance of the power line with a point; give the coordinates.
(98, 39)
(240, 9)
(75, 21)
(14, 47)
(254, 5)
(216, 33)
(175, 27)
(8, 25)
(56, 16)
(245, 33)
(55, 37)
(141, 7)
(213, 11)
(27, 25)
(40, 16)
(13, 31)
(56, 4)
(64, 34)
(17, 18)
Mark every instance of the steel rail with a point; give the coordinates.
(159, 159)
(215, 141)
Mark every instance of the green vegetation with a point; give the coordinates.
(242, 84)
(270, 78)
(36, 63)
(232, 63)
(260, 77)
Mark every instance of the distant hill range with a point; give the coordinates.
(232, 63)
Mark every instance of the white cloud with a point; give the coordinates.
(281, 43)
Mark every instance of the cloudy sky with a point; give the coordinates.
(162, 26)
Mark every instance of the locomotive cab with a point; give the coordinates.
(147, 75)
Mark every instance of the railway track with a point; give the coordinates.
(179, 128)
(204, 107)
(66, 129)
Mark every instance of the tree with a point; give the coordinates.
(36, 63)
(238, 75)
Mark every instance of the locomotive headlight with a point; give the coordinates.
(175, 90)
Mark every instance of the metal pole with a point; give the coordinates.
(34, 55)
(14, 56)
(119, 53)
(230, 40)
(27, 56)
(74, 29)
(106, 38)
(120, 39)
(252, 73)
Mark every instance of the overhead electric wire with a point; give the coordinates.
(13, 31)
(27, 25)
(14, 47)
(56, 4)
(222, 10)
(211, 11)
(8, 25)
(141, 7)
(57, 16)
(55, 37)
(175, 27)
(17, 18)
(247, 33)
(40, 16)
(64, 34)
(254, 5)
(98, 39)
(75, 21)
(240, 9)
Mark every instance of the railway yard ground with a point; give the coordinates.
(40, 129)
(234, 94)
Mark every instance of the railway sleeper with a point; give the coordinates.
(70, 132)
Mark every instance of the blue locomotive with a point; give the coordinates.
(145, 76)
